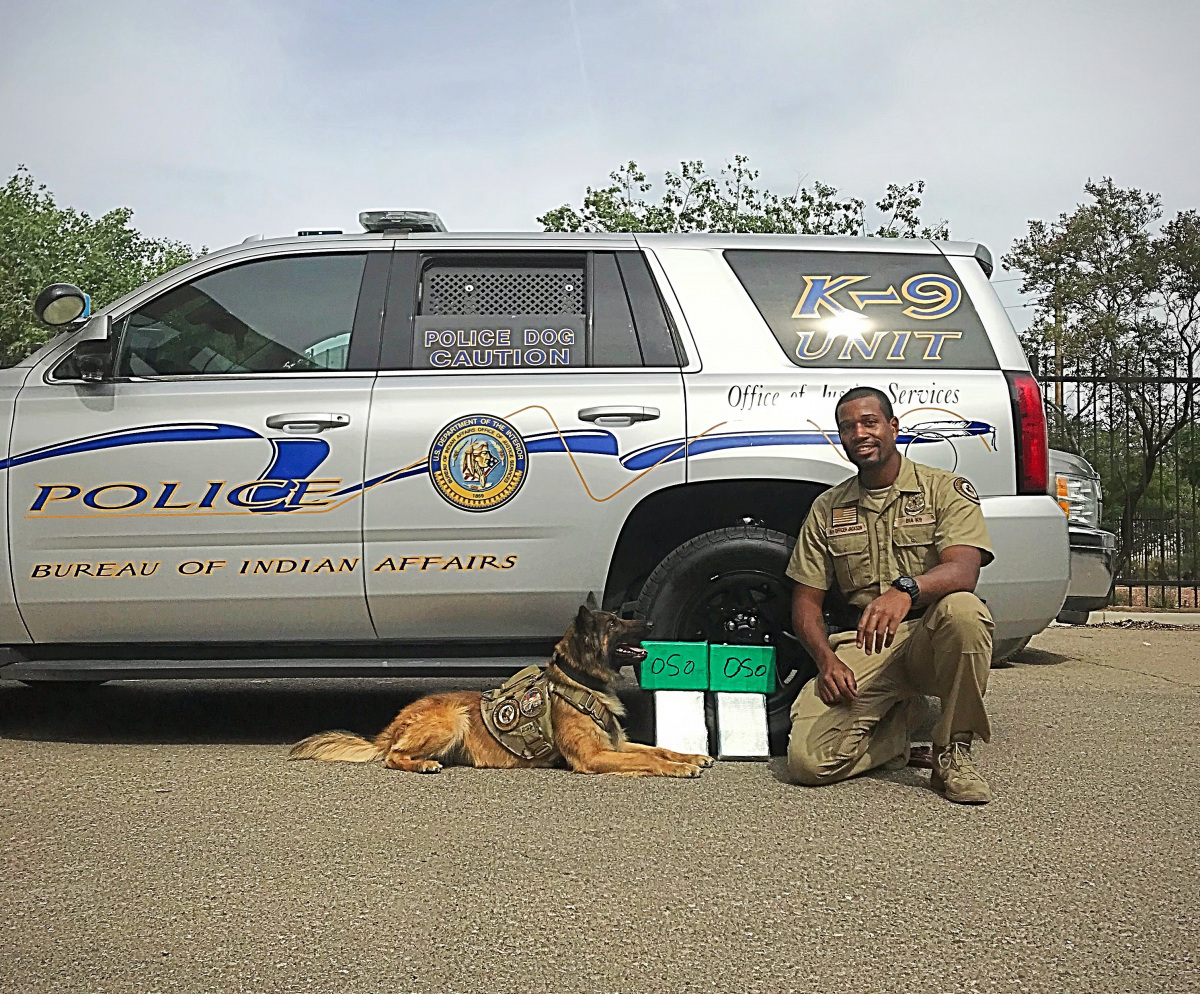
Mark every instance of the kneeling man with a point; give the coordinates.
(905, 544)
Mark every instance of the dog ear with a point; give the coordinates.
(581, 618)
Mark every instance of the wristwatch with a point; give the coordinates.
(909, 586)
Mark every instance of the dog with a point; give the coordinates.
(571, 697)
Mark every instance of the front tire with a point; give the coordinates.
(728, 586)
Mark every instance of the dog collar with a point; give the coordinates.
(585, 679)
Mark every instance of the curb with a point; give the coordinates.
(1159, 617)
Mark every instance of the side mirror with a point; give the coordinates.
(61, 303)
(93, 360)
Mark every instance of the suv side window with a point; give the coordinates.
(658, 343)
(529, 311)
(629, 326)
(293, 314)
(614, 336)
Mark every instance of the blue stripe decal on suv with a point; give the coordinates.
(673, 450)
(135, 436)
(602, 443)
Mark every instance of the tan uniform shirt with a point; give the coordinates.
(864, 543)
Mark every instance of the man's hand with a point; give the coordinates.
(880, 620)
(835, 682)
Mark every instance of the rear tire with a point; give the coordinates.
(728, 586)
(1003, 653)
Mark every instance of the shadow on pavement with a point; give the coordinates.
(1039, 657)
(268, 712)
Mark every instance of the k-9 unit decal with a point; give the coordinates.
(931, 296)
(891, 310)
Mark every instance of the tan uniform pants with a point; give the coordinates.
(947, 653)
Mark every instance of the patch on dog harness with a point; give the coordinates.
(517, 717)
(506, 715)
(532, 702)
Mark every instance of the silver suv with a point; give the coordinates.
(406, 449)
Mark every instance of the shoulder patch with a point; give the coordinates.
(963, 486)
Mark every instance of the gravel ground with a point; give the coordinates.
(154, 839)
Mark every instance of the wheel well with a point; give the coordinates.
(667, 518)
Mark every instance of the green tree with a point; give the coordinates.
(1117, 300)
(693, 200)
(42, 243)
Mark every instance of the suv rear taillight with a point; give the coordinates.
(1029, 426)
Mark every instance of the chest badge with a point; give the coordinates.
(478, 463)
(914, 504)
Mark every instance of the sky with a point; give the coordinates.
(220, 120)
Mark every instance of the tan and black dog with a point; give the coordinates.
(579, 719)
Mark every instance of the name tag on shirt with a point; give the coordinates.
(904, 520)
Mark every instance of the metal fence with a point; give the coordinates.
(1140, 433)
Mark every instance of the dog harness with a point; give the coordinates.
(517, 714)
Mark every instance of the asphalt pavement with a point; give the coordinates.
(155, 838)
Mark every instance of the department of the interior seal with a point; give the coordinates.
(478, 462)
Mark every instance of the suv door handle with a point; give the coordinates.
(618, 417)
(307, 424)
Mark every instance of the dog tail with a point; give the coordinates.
(336, 747)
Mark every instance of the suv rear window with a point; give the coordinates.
(539, 312)
(864, 309)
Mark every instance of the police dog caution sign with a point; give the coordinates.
(478, 463)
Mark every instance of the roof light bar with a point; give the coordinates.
(383, 222)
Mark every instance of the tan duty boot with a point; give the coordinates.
(956, 775)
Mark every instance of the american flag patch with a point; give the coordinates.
(844, 516)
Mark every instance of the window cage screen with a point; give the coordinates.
(492, 289)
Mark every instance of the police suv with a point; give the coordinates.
(409, 449)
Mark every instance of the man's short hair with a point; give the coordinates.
(858, 393)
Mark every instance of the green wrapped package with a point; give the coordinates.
(675, 666)
(746, 669)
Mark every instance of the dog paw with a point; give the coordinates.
(704, 761)
(687, 771)
(429, 766)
